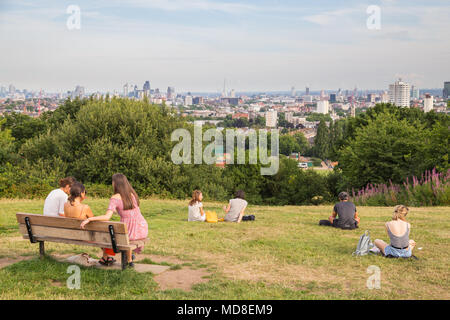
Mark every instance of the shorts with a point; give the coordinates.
(398, 253)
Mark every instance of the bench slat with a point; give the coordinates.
(72, 234)
(81, 243)
(69, 223)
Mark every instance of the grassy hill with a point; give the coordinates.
(284, 254)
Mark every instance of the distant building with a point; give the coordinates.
(79, 92)
(170, 92)
(332, 97)
(240, 115)
(146, 86)
(233, 93)
(188, 101)
(197, 100)
(371, 97)
(125, 90)
(384, 97)
(323, 106)
(271, 118)
(293, 92)
(415, 93)
(446, 92)
(307, 91)
(12, 89)
(428, 103)
(399, 93)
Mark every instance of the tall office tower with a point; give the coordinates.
(170, 92)
(188, 100)
(371, 97)
(125, 90)
(428, 103)
(384, 97)
(136, 91)
(146, 86)
(79, 92)
(2, 91)
(12, 89)
(399, 93)
(415, 93)
(293, 93)
(322, 94)
(446, 91)
(353, 111)
(332, 97)
(323, 106)
(307, 91)
(233, 94)
(271, 118)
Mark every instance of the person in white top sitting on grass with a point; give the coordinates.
(196, 212)
(236, 208)
(54, 203)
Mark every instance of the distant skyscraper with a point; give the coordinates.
(79, 92)
(399, 93)
(446, 92)
(271, 118)
(307, 91)
(146, 86)
(428, 103)
(170, 92)
(293, 93)
(415, 93)
(125, 90)
(188, 101)
(323, 106)
(233, 94)
(332, 97)
(12, 89)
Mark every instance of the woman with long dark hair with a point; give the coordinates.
(125, 202)
(74, 207)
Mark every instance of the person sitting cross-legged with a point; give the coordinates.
(344, 214)
(398, 231)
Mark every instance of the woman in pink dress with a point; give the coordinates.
(125, 202)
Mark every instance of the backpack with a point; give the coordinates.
(364, 245)
(211, 217)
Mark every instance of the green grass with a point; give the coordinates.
(284, 254)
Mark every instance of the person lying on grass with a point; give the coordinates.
(54, 203)
(236, 207)
(125, 202)
(74, 208)
(398, 231)
(195, 208)
(345, 211)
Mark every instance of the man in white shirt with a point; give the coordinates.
(54, 204)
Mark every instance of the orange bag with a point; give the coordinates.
(211, 217)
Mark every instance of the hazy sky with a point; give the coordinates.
(194, 44)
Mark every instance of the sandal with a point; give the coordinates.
(109, 261)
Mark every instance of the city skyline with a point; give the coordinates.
(193, 45)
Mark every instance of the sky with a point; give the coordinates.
(194, 45)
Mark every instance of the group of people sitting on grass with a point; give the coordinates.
(67, 201)
(234, 212)
(345, 216)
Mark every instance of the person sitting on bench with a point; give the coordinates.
(54, 203)
(236, 208)
(125, 202)
(398, 231)
(347, 216)
(74, 208)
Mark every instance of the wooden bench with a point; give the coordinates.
(104, 234)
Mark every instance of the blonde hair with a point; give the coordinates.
(400, 212)
(195, 197)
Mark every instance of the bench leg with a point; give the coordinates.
(124, 259)
(41, 249)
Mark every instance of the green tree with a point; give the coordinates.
(385, 149)
(322, 141)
